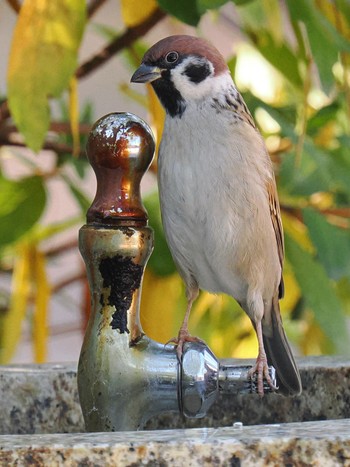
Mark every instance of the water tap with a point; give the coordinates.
(124, 377)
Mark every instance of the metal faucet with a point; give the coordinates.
(124, 377)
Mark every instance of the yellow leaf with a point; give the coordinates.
(204, 302)
(135, 11)
(21, 288)
(292, 290)
(313, 338)
(246, 347)
(42, 297)
(335, 16)
(43, 58)
(322, 200)
(162, 309)
(74, 115)
(157, 115)
(297, 230)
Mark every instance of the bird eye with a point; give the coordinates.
(171, 57)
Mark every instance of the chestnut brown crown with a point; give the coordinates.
(186, 45)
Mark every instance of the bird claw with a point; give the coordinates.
(180, 340)
(261, 369)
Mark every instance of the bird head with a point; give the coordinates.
(181, 69)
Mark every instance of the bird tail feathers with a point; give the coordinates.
(279, 354)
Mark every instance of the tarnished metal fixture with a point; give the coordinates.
(125, 378)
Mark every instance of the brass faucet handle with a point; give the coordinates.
(120, 149)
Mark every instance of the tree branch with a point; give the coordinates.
(59, 148)
(7, 131)
(15, 5)
(79, 276)
(125, 40)
(57, 250)
(94, 6)
(4, 111)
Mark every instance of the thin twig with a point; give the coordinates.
(56, 127)
(118, 44)
(64, 127)
(344, 60)
(78, 277)
(306, 90)
(15, 5)
(54, 251)
(94, 6)
(59, 148)
(4, 111)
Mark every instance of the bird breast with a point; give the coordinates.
(212, 174)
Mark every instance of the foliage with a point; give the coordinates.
(42, 61)
(304, 116)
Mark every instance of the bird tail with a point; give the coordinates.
(279, 353)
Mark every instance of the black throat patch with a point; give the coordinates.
(169, 96)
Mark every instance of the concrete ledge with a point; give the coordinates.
(44, 399)
(310, 443)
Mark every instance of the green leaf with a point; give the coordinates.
(325, 40)
(344, 7)
(204, 5)
(160, 262)
(242, 2)
(83, 201)
(319, 295)
(340, 168)
(332, 244)
(107, 32)
(21, 205)
(184, 10)
(322, 117)
(43, 58)
(317, 170)
(232, 64)
(134, 54)
(300, 181)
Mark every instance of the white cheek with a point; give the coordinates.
(190, 90)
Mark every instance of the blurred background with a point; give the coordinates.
(64, 64)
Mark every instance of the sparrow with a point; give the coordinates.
(218, 196)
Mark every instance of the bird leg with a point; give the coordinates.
(184, 335)
(261, 367)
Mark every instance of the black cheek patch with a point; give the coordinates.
(197, 73)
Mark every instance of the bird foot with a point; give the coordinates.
(183, 337)
(261, 369)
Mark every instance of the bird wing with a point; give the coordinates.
(240, 109)
(243, 110)
(275, 214)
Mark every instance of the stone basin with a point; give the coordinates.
(41, 424)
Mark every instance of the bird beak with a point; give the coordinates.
(146, 74)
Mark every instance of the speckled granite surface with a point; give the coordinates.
(44, 399)
(325, 443)
(39, 399)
